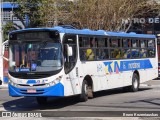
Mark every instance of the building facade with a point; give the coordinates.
(8, 14)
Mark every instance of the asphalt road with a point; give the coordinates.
(110, 103)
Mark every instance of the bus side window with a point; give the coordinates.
(93, 42)
(135, 43)
(100, 54)
(135, 53)
(70, 61)
(143, 43)
(151, 48)
(126, 53)
(115, 53)
(143, 53)
(80, 42)
(102, 49)
(151, 52)
(82, 54)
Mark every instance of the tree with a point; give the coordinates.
(47, 12)
(8, 27)
(109, 14)
(28, 8)
(112, 15)
(53, 12)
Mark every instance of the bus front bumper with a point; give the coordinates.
(56, 90)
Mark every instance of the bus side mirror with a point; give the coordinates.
(3, 49)
(69, 50)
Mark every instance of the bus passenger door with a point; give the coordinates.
(70, 62)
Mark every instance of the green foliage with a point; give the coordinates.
(6, 29)
(30, 8)
(93, 14)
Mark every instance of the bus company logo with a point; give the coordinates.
(112, 67)
(119, 66)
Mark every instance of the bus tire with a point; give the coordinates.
(90, 92)
(41, 100)
(84, 92)
(135, 83)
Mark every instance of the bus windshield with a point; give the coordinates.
(35, 57)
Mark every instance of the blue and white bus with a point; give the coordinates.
(63, 61)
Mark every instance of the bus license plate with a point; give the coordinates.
(31, 91)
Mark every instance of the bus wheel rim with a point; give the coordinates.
(85, 89)
(135, 84)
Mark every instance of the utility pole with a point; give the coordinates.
(55, 14)
(1, 41)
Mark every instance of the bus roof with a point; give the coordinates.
(90, 32)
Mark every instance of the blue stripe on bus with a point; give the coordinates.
(119, 66)
(89, 32)
(56, 90)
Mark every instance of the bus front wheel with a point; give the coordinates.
(135, 83)
(41, 100)
(84, 92)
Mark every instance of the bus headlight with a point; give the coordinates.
(54, 82)
(58, 79)
(12, 83)
(50, 84)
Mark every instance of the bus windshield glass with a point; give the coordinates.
(35, 56)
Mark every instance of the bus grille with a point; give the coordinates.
(32, 85)
(31, 76)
